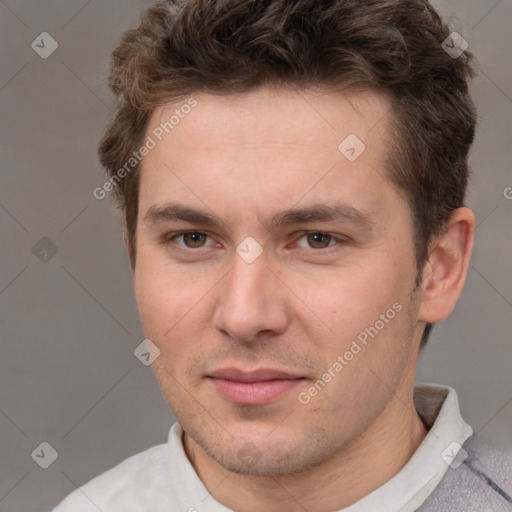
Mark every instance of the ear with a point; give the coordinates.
(445, 272)
(127, 243)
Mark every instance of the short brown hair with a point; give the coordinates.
(231, 46)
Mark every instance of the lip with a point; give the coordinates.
(255, 387)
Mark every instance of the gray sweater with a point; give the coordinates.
(481, 483)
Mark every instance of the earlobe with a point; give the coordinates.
(445, 272)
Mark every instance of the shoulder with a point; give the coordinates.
(135, 474)
(478, 479)
(492, 464)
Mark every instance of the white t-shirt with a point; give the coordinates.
(162, 478)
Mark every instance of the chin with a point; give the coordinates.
(266, 459)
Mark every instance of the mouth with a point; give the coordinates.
(256, 387)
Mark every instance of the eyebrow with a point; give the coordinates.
(319, 212)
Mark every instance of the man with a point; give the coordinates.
(293, 178)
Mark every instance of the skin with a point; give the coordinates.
(299, 305)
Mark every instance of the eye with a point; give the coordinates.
(318, 240)
(189, 239)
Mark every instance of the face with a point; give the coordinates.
(275, 271)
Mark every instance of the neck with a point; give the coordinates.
(359, 468)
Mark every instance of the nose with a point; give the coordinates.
(251, 302)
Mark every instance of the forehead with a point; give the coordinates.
(274, 116)
(267, 148)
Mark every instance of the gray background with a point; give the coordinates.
(69, 325)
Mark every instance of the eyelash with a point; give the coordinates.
(169, 238)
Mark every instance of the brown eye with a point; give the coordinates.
(193, 239)
(188, 239)
(319, 240)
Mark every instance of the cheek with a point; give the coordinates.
(350, 300)
(161, 296)
(174, 306)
